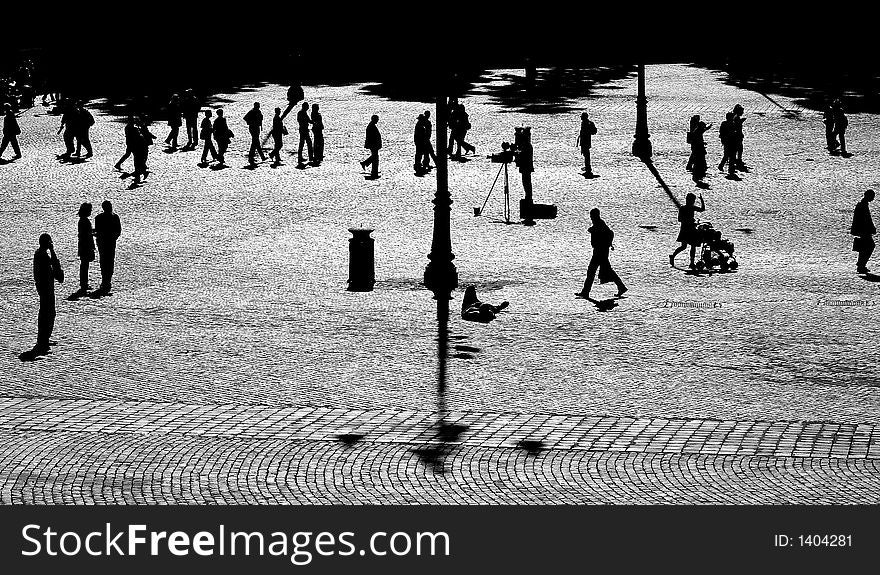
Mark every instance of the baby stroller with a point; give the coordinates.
(715, 252)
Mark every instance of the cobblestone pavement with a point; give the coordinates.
(229, 299)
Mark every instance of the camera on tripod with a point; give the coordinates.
(505, 156)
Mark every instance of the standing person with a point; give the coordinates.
(141, 151)
(207, 136)
(318, 132)
(190, 107)
(174, 121)
(222, 134)
(278, 132)
(452, 124)
(132, 136)
(738, 136)
(840, 124)
(428, 146)
(419, 141)
(525, 161)
(84, 123)
(863, 228)
(828, 120)
(107, 231)
(585, 139)
(728, 144)
(303, 119)
(85, 245)
(47, 270)
(602, 240)
(68, 125)
(697, 162)
(254, 121)
(373, 142)
(11, 130)
(687, 235)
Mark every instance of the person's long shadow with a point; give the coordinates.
(869, 277)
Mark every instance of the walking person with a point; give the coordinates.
(84, 123)
(303, 119)
(278, 132)
(687, 235)
(419, 141)
(585, 140)
(223, 135)
(11, 130)
(697, 161)
(318, 133)
(863, 228)
(602, 240)
(85, 245)
(459, 133)
(68, 126)
(189, 107)
(207, 132)
(428, 154)
(373, 142)
(828, 120)
(728, 144)
(738, 136)
(47, 271)
(140, 152)
(132, 136)
(254, 121)
(174, 121)
(107, 231)
(452, 124)
(840, 124)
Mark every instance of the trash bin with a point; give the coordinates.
(361, 262)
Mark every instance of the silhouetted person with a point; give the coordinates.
(525, 161)
(728, 144)
(840, 124)
(47, 270)
(429, 147)
(602, 240)
(451, 123)
(141, 151)
(373, 142)
(697, 161)
(207, 135)
(303, 120)
(460, 129)
(828, 120)
(174, 121)
(254, 121)
(863, 229)
(84, 123)
(472, 309)
(11, 130)
(738, 136)
(278, 132)
(687, 235)
(132, 136)
(107, 231)
(69, 126)
(419, 141)
(318, 132)
(189, 107)
(223, 135)
(585, 140)
(85, 245)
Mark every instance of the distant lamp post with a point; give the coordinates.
(441, 277)
(642, 142)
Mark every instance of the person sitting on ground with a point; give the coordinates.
(472, 309)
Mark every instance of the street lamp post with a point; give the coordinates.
(441, 277)
(642, 142)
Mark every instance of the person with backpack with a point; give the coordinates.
(585, 140)
(863, 229)
(602, 240)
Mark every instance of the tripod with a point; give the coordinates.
(506, 193)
